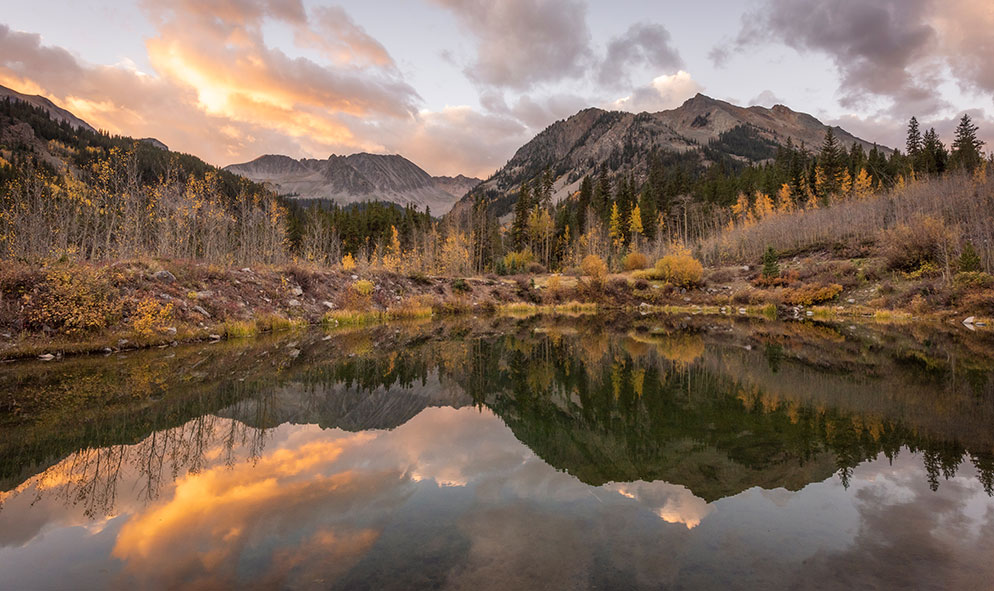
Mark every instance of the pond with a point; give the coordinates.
(590, 452)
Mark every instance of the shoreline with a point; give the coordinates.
(155, 303)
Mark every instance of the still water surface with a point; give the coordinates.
(585, 453)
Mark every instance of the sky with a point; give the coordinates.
(458, 85)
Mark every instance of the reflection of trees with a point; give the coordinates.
(89, 478)
(641, 405)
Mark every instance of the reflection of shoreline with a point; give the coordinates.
(652, 405)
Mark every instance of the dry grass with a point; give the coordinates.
(962, 204)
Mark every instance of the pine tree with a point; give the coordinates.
(771, 264)
(969, 260)
(831, 163)
(584, 200)
(966, 147)
(934, 155)
(914, 143)
(519, 226)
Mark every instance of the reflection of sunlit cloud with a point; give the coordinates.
(670, 502)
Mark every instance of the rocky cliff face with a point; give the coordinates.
(355, 178)
(580, 145)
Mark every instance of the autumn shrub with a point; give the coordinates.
(807, 295)
(348, 262)
(680, 269)
(554, 288)
(908, 246)
(974, 279)
(925, 270)
(72, 300)
(359, 296)
(151, 318)
(535, 268)
(593, 267)
(634, 261)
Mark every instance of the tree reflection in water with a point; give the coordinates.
(540, 451)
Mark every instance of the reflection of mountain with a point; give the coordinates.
(342, 406)
(716, 411)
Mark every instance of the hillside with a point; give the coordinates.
(700, 131)
(56, 113)
(356, 178)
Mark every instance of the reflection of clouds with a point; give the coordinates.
(671, 502)
(910, 537)
(328, 505)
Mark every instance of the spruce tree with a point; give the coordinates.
(831, 162)
(914, 143)
(771, 264)
(969, 260)
(519, 226)
(934, 154)
(966, 147)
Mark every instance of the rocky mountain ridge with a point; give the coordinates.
(356, 178)
(585, 142)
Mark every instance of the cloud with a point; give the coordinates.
(900, 50)
(520, 43)
(218, 90)
(642, 44)
(766, 99)
(665, 92)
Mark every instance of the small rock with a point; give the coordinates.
(215, 337)
(294, 353)
(328, 305)
(46, 357)
(293, 303)
(122, 342)
(297, 291)
(204, 294)
(164, 276)
(201, 311)
(742, 310)
(171, 331)
(355, 277)
(851, 301)
(970, 320)
(246, 270)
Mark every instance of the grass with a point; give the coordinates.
(524, 309)
(239, 329)
(352, 318)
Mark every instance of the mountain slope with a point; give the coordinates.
(54, 112)
(359, 177)
(622, 141)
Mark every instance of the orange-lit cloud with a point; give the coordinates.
(220, 91)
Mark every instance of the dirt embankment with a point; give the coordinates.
(77, 308)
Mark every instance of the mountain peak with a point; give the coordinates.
(357, 177)
(624, 142)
